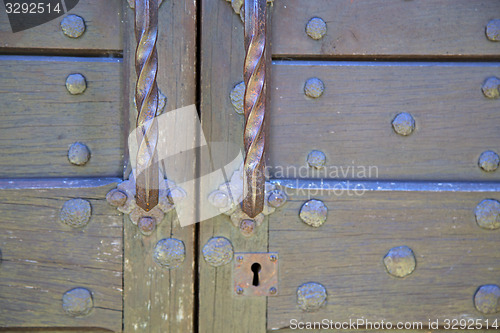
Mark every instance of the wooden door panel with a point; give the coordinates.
(395, 28)
(103, 32)
(351, 121)
(454, 256)
(43, 257)
(41, 119)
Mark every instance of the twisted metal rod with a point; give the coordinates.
(146, 97)
(254, 106)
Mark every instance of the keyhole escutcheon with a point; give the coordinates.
(256, 270)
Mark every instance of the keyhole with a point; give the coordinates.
(255, 269)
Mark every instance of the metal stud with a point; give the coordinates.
(316, 28)
(488, 214)
(146, 225)
(236, 96)
(489, 161)
(316, 159)
(239, 291)
(78, 154)
(218, 251)
(273, 291)
(487, 299)
(169, 253)
(77, 302)
(493, 30)
(490, 87)
(277, 198)
(400, 261)
(73, 26)
(313, 213)
(76, 213)
(314, 87)
(311, 296)
(76, 84)
(116, 198)
(403, 124)
(247, 227)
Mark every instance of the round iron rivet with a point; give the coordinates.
(77, 302)
(490, 88)
(247, 227)
(116, 198)
(76, 84)
(493, 30)
(236, 95)
(316, 159)
(239, 258)
(78, 154)
(489, 161)
(316, 28)
(487, 299)
(400, 261)
(313, 213)
(218, 251)
(314, 88)
(76, 213)
(273, 291)
(403, 124)
(273, 257)
(311, 296)
(169, 253)
(488, 214)
(73, 26)
(276, 198)
(239, 291)
(147, 225)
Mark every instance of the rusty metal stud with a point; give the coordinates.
(316, 28)
(73, 26)
(314, 87)
(488, 214)
(78, 154)
(487, 299)
(239, 291)
(273, 291)
(313, 213)
(77, 302)
(489, 161)
(169, 253)
(311, 296)
(236, 95)
(218, 251)
(146, 225)
(76, 84)
(116, 198)
(239, 258)
(277, 198)
(76, 213)
(400, 261)
(247, 227)
(493, 30)
(273, 257)
(403, 124)
(316, 159)
(490, 87)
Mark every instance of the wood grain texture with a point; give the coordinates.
(351, 121)
(392, 28)
(103, 33)
(43, 258)
(158, 299)
(454, 256)
(41, 119)
(222, 56)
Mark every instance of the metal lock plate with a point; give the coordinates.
(256, 274)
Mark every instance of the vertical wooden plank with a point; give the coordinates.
(222, 56)
(158, 299)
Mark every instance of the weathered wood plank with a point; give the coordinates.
(41, 119)
(43, 257)
(103, 33)
(157, 299)
(454, 256)
(222, 56)
(351, 121)
(386, 28)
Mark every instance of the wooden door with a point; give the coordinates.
(383, 133)
(70, 262)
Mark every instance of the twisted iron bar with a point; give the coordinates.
(254, 106)
(146, 97)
